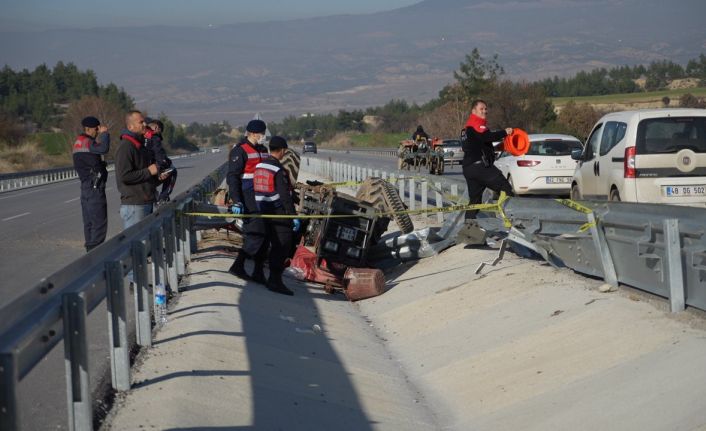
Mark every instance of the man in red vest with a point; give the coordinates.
(136, 178)
(88, 151)
(479, 155)
(241, 169)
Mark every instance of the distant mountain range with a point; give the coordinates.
(355, 61)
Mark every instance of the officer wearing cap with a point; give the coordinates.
(88, 150)
(242, 160)
(273, 195)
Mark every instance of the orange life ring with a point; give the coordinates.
(518, 143)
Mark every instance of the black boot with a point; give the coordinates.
(238, 267)
(258, 274)
(275, 284)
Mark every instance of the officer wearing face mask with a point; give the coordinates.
(242, 160)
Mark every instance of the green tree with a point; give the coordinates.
(475, 73)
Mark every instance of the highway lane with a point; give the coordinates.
(41, 229)
(388, 163)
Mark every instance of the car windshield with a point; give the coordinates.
(553, 147)
(452, 143)
(670, 135)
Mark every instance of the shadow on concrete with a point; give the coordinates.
(211, 284)
(192, 373)
(298, 380)
(210, 304)
(198, 333)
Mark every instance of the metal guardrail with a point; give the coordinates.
(27, 179)
(56, 308)
(657, 248)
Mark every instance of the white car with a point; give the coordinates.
(651, 156)
(547, 168)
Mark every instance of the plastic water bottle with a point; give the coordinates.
(160, 303)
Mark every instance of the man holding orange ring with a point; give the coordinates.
(479, 155)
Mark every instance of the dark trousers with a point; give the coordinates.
(255, 238)
(280, 237)
(94, 208)
(168, 186)
(478, 178)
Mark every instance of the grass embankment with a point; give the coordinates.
(38, 151)
(636, 99)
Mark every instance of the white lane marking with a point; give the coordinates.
(21, 194)
(17, 216)
(71, 200)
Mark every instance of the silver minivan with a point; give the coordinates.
(655, 156)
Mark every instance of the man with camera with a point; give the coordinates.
(88, 150)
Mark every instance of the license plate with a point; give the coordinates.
(558, 180)
(676, 191)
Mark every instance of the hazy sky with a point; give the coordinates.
(18, 14)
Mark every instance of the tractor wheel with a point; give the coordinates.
(384, 197)
(290, 162)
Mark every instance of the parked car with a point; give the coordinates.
(309, 147)
(453, 152)
(655, 156)
(547, 168)
(216, 150)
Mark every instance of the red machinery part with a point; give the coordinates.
(362, 283)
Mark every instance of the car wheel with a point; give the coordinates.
(614, 195)
(575, 194)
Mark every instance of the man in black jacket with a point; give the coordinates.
(88, 151)
(479, 155)
(154, 143)
(273, 194)
(135, 175)
(241, 168)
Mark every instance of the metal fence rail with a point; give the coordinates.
(156, 250)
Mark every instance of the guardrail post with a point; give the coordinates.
(601, 244)
(9, 411)
(78, 392)
(400, 187)
(425, 194)
(672, 242)
(439, 203)
(170, 252)
(117, 327)
(180, 237)
(383, 174)
(157, 253)
(454, 190)
(412, 194)
(142, 294)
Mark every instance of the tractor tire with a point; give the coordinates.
(384, 197)
(291, 162)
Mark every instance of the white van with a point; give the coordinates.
(655, 156)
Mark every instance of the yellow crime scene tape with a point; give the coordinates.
(452, 208)
(580, 208)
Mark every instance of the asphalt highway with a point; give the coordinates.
(41, 229)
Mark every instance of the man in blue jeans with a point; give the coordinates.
(136, 178)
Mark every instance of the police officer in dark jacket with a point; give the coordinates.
(273, 195)
(88, 151)
(479, 155)
(241, 169)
